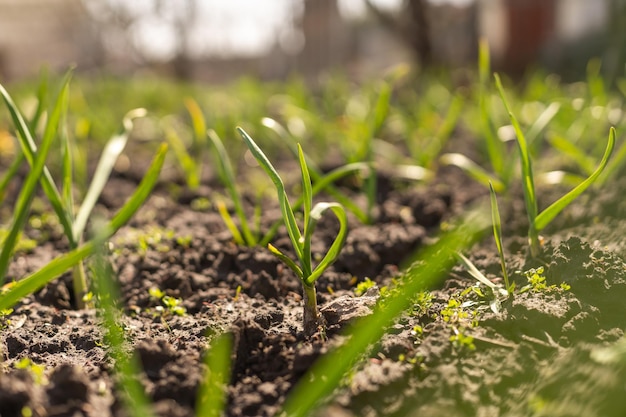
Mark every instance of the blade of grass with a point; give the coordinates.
(227, 176)
(29, 149)
(228, 221)
(479, 276)
(472, 169)
(616, 162)
(495, 148)
(285, 207)
(37, 280)
(308, 227)
(335, 248)
(111, 152)
(127, 366)
(497, 234)
(61, 264)
(198, 123)
(527, 173)
(542, 122)
(326, 374)
(213, 389)
(67, 169)
(187, 163)
(547, 215)
(287, 260)
(22, 206)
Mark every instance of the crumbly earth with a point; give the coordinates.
(544, 352)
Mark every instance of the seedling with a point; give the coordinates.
(249, 233)
(301, 241)
(170, 305)
(127, 366)
(332, 367)
(497, 235)
(62, 201)
(537, 282)
(37, 371)
(316, 173)
(538, 221)
(38, 279)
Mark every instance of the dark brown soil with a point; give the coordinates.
(545, 352)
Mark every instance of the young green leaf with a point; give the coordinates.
(497, 234)
(29, 149)
(326, 374)
(527, 174)
(335, 248)
(111, 152)
(285, 207)
(212, 393)
(227, 176)
(22, 206)
(66, 261)
(547, 215)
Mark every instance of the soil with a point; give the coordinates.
(547, 351)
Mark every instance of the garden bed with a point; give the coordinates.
(537, 356)
(554, 346)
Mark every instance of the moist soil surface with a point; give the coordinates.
(551, 350)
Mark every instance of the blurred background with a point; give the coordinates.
(217, 40)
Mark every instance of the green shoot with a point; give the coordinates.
(227, 176)
(191, 166)
(245, 234)
(301, 241)
(471, 168)
(497, 234)
(213, 389)
(495, 147)
(38, 166)
(538, 221)
(331, 368)
(137, 403)
(29, 150)
(479, 276)
(315, 171)
(56, 267)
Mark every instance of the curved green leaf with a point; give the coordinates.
(287, 260)
(340, 239)
(112, 151)
(22, 206)
(286, 209)
(61, 264)
(29, 148)
(227, 176)
(546, 216)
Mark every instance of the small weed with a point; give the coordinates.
(37, 371)
(363, 286)
(537, 282)
(461, 341)
(170, 306)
